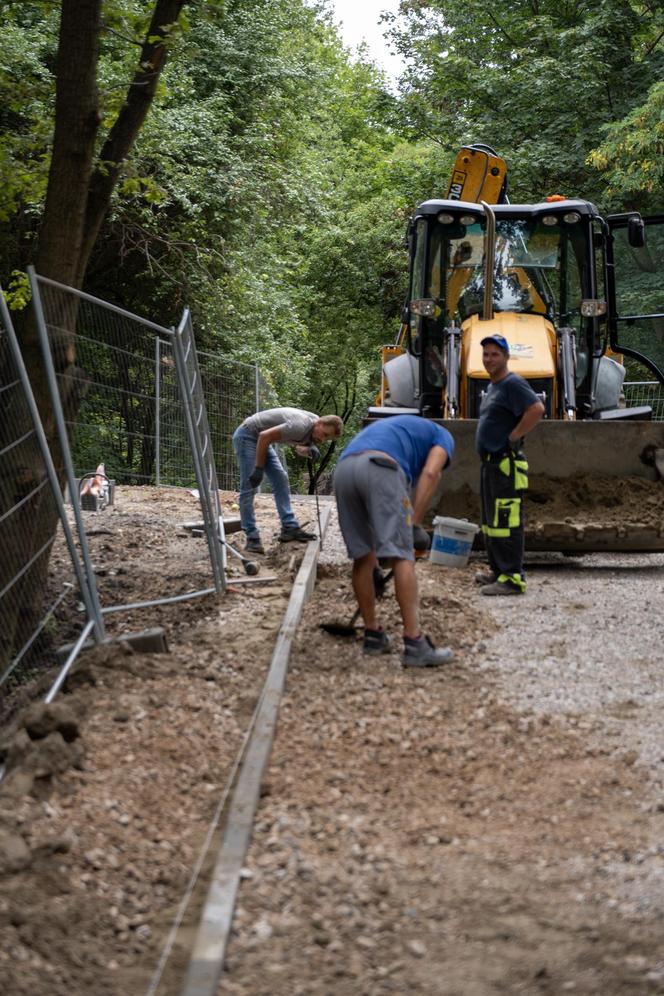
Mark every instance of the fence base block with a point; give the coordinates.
(148, 641)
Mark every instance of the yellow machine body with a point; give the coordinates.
(598, 458)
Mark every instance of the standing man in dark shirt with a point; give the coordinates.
(508, 412)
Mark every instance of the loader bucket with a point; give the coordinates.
(593, 485)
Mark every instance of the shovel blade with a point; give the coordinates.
(339, 629)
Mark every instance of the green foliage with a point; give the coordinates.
(631, 157)
(272, 181)
(536, 81)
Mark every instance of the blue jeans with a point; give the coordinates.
(244, 444)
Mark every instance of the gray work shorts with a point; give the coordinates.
(374, 507)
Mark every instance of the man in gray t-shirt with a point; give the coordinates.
(254, 442)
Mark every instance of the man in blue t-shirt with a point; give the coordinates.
(372, 483)
(509, 410)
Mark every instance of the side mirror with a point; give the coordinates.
(636, 232)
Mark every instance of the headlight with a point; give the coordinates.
(593, 308)
(426, 307)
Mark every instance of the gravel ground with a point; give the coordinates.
(492, 827)
(591, 643)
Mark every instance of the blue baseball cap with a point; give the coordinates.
(498, 340)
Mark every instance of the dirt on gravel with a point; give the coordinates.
(435, 832)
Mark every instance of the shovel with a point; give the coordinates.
(380, 581)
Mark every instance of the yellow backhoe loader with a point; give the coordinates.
(574, 293)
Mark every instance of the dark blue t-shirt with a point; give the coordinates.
(501, 409)
(406, 438)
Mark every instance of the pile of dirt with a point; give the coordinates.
(562, 506)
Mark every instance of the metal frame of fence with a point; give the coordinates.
(192, 389)
(19, 406)
(54, 317)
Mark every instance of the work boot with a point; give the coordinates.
(376, 641)
(422, 653)
(501, 588)
(253, 545)
(296, 534)
(485, 577)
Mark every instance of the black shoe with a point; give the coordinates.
(376, 642)
(297, 535)
(254, 545)
(502, 588)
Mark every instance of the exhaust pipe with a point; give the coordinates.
(489, 254)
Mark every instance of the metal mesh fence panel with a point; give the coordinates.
(174, 466)
(192, 391)
(645, 392)
(41, 577)
(232, 391)
(102, 363)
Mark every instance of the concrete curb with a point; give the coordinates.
(211, 941)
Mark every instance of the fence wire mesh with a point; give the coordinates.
(645, 392)
(232, 391)
(40, 588)
(102, 365)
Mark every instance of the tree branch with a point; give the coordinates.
(123, 134)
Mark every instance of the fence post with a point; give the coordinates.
(92, 601)
(201, 444)
(157, 401)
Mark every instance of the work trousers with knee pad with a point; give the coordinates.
(503, 482)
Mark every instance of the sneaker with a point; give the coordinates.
(422, 653)
(376, 641)
(485, 577)
(254, 545)
(501, 588)
(297, 534)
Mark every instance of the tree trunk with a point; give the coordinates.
(76, 124)
(77, 200)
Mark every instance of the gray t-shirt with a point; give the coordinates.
(501, 409)
(295, 424)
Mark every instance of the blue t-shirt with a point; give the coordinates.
(501, 409)
(406, 438)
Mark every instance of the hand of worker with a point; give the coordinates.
(515, 445)
(421, 538)
(314, 453)
(256, 476)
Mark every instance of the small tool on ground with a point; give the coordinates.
(250, 566)
(380, 581)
